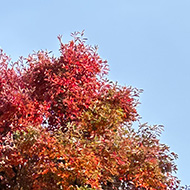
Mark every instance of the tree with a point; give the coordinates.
(64, 125)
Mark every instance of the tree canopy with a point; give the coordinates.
(64, 125)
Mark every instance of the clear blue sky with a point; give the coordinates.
(146, 43)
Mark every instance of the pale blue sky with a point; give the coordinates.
(146, 43)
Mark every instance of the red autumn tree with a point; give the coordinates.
(63, 125)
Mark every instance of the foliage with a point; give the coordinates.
(186, 187)
(63, 125)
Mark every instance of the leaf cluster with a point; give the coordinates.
(63, 125)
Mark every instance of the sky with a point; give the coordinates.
(146, 44)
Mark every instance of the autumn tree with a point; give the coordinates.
(64, 125)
